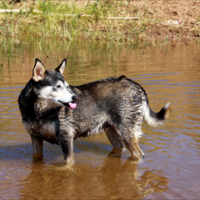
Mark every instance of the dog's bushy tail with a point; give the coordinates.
(155, 119)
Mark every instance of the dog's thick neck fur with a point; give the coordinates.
(43, 107)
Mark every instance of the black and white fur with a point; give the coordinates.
(117, 106)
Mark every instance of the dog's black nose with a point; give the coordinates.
(74, 99)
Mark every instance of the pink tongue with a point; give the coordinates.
(72, 105)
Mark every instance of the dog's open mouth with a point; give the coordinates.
(70, 105)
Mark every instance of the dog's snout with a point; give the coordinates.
(74, 98)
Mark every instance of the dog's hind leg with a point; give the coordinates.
(132, 145)
(37, 148)
(130, 140)
(115, 140)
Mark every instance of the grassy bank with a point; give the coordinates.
(99, 20)
(69, 20)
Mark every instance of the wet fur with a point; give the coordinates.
(117, 106)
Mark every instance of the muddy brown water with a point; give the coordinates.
(169, 73)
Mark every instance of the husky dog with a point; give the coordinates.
(54, 111)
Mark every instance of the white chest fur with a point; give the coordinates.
(45, 129)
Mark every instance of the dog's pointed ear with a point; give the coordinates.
(61, 67)
(38, 71)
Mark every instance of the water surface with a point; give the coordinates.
(170, 170)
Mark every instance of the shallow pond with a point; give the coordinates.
(169, 73)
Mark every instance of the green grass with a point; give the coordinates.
(53, 22)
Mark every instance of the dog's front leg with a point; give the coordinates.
(37, 148)
(66, 143)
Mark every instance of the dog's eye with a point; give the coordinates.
(58, 86)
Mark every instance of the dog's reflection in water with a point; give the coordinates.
(113, 178)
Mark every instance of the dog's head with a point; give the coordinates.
(51, 87)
